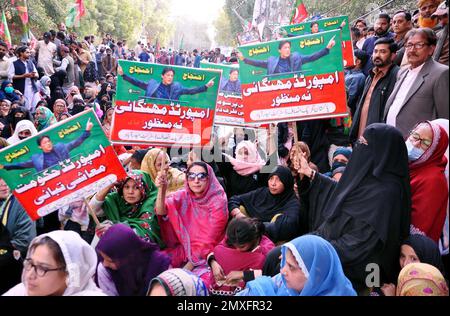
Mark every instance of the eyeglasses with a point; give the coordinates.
(416, 45)
(38, 269)
(201, 176)
(416, 137)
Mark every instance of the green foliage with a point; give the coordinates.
(123, 19)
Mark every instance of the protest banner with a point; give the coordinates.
(62, 164)
(322, 25)
(164, 106)
(299, 78)
(229, 107)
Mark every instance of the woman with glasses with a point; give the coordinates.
(426, 145)
(59, 263)
(192, 220)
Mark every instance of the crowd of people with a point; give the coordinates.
(353, 193)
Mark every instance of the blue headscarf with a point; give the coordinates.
(319, 262)
(8, 96)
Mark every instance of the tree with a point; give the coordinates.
(224, 30)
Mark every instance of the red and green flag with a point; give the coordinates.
(299, 12)
(21, 7)
(4, 31)
(76, 11)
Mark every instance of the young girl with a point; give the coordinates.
(239, 257)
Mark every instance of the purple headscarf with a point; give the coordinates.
(138, 261)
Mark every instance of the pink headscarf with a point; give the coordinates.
(254, 162)
(195, 224)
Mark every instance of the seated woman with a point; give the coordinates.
(239, 257)
(426, 146)
(154, 161)
(177, 282)
(59, 263)
(132, 204)
(242, 174)
(193, 220)
(127, 263)
(309, 267)
(365, 215)
(275, 205)
(417, 248)
(421, 279)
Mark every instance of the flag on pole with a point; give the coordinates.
(181, 42)
(299, 12)
(259, 15)
(76, 11)
(4, 31)
(246, 25)
(21, 7)
(81, 9)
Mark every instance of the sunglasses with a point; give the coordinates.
(201, 176)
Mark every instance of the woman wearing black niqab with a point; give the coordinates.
(264, 205)
(367, 213)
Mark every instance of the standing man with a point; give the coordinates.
(109, 63)
(354, 79)
(379, 85)
(401, 24)
(67, 64)
(23, 74)
(421, 91)
(4, 62)
(381, 29)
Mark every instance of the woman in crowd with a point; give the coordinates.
(177, 282)
(193, 220)
(426, 145)
(24, 129)
(107, 120)
(59, 107)
(421, 279)
(44, 118)
(239, 257)
(18, 114)
(242, 174)
(5, 119)
(310, 266)
(276, 205)
(127, 263)
(417, 248)
(365, 215)
(7, 92)
(59, 263)
(154, 161)
(132, 204)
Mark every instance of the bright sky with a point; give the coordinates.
(201, 10)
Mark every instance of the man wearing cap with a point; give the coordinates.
(441, 52)
(109, 63)
(67, 64)
(45, 52)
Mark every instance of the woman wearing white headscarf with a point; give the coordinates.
(24, 129)
(59, 263)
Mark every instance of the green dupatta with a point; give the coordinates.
(140, 217)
